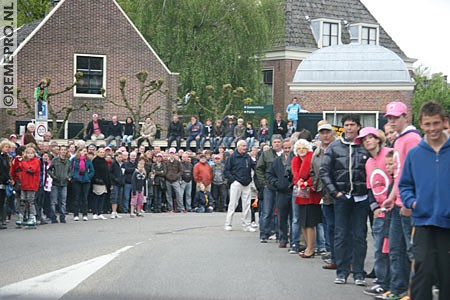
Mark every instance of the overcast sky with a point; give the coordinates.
(421, 28)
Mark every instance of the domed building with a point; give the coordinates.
(352, 78)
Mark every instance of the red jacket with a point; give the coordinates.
(301, 170)
(203, 173)
(30, 174)
(16, 172)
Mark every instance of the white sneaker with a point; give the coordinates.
(113, 215)
(95, 217)
(76, 218)
(101, 217)
(85, 218)
(254, 225)
(132, 215)
(249, 229)
(118, 216)
(228, 228)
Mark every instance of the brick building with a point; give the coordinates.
(313, 26)
(97, 38)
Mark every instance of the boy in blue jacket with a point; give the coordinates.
(424, 188)
(204, 199)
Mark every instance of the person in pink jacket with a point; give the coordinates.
(400, 247)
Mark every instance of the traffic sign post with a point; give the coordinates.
(41, 120)
(261, 110)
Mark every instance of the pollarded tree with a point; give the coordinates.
(210, 42)
(55, 111)
(137, 107)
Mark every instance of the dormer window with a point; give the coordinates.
(327, 32)
(330, 34)
(365, 34)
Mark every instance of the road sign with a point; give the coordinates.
(258, 109)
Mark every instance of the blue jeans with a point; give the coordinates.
(58, 195)
(250, 142)
(295, 227)
(126, 197)
(284, 210)
(400, 251)
(189, 140)
(227, 141)
(328, 215)
(381, 264)
(350, 242)
(186, 189)
(320, 237)
(211, 143)
(267, 217)
(80, 200)
(170, 140)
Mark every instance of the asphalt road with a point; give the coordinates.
(160, 256)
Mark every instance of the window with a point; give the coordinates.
(93, 80)
(368, 118)
(330, 34)
(268, 83)
(369, 36)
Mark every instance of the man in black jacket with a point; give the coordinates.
(238, 172)
(175, 132)
(280, 178)
(117, 176)
(115, 132)
(343, 173)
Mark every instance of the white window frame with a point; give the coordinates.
(367, 25)
(75, 94)
(270, 101)
(321, 22)
(358, 112)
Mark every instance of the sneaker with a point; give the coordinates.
(263, 240)
(273, 237)
(19, 220)
(132, 215)
(76, 218)
(340, 280)
(101, 217)
(228, 228)
(94, 217)
(31, 221)
(326, 255)
(254, 225)
(293, 249)
(249, 229)
(360, 282)
(383, 296)
(85, 218)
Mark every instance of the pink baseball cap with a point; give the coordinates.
(395, 109)
(13, 136)
(172, 150)
(159, 155)
(365, 132)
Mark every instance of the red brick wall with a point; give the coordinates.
(91, 27)
(283, 73)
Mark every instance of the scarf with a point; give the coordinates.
(82, 166)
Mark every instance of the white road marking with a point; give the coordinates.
(55, 284)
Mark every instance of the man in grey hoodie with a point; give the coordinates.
(59, 171)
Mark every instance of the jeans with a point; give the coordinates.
(170, 140)
(178, 195)
(126, 198)
(295, 227)
(217, 142)
(80, 200)
(189, 140)
(186, 189)
(219, 193)
(400, 254)
(227, 141)
(58, 196)
(350, 242)
(267, 217)
(109, 139)
(211, 143)
(250, 142)
(328, 215)
(284, 208)
(381, 263)
(127, 139)
(320, 237)
(116, 194)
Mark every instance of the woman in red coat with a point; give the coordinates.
(306, 197)
(30, 176)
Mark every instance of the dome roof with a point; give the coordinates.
(352, 63)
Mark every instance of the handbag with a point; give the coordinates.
(302, 193)
(9, 190)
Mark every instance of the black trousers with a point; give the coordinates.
(431, 248)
